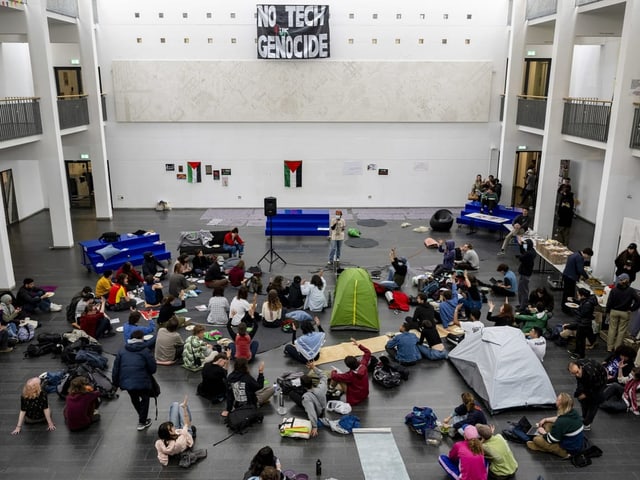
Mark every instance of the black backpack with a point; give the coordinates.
(69, 352)
(97, 379)
(242, 417)
(387, 377)
(109, 237)
(40, 349)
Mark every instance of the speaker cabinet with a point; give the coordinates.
(270, 206)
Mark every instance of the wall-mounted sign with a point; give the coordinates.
(293, 31)
(226, 171)
(169, 167)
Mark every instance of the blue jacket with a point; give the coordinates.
(405, 344)
(449, 256)
(574, 269)
(133, 367)
(447, 308)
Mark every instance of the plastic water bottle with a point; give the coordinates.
(318, 467)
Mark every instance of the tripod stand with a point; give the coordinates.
(271, 253)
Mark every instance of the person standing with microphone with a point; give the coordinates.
(337, 229)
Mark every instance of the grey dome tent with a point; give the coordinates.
(502, 369)
(356, 303)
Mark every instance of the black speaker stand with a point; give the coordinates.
(272, 255)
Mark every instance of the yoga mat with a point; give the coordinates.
(357, 242)
(371, 222)
(370, 443)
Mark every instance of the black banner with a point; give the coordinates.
(293, 31)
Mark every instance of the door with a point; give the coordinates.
(80, 182)
(524, 161)
(536, 77)
(9, 197)
(68, 81)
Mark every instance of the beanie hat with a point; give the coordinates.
(6, 298)
(470, 432)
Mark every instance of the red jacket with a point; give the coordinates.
(78, 410)
(357, 380)
(236, 276)
(229, 240)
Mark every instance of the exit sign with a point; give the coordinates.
(531, 53)
(84, 156)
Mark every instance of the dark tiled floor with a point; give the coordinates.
(114, 449)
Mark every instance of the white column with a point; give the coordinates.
(95, 134)
(554, 148)
(49, 148)
(7, 278)
(618, 197)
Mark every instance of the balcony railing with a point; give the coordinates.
(19, 117)
(635, 128)
(586, 118)
(532, 111)
(541, 8)
(68, 8)
(73, 111)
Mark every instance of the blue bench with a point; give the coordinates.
(475, 223)
(131, 249)
(303, 223)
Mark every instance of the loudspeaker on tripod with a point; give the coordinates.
(270, 206)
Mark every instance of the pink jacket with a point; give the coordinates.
(175, 447)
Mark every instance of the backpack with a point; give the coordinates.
(51, 380)
(387, 377)
(83, 343)
(71, 308)
(421, 419)
(109, 237)
(98, 380)
(45, 337)
(518, 432)
(26, 333)
(94, 359)
(290, 381)
(40, 349)
(242, 417)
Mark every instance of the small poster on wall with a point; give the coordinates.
(207, 169)
(226, 171)
(383, 171)
(225, 181)
(216, 174)
(169, 167)
(180, 168)
(181, 176)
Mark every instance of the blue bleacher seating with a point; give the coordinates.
(476, 207)
(305, 223)
(132, 248)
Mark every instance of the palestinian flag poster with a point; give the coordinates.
(194, 172)
(293, 173)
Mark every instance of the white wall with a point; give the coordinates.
(15, 71)
(426, 161)
(594, 68)
(586, 176)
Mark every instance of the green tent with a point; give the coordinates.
(356, 304)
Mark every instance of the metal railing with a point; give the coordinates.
(68, 8)
(532, 111)
(73, 111)
(541, 8)
(586, 118)
(579, 3)
(19, 117)
(635, 128)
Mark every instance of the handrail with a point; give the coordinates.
(532, 96)
(637, 104)
(13, 99)
(589, 100)
(62, 97)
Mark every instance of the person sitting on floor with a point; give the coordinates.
(265, 458)
(306, 348)
(34, 406)
(561, 435)
(233, 244)
(470, 259)
(619, 363)
(134, 278)
(151, 266)
(10, 317)
(397, 271)
(536, 317)
(243, 346)
(178, 282)
(541, 296)
(623, 395)
(200, 262)
(466, 458)
(196, 351)
(152, 292)
(447, 303)
(240, 306)
(403, 347)
(214, 378)
(218, 307)
(472, 324)
(214, 276)
(81, 405)
(537, 342)
(169, 343)
(508, 287)
(183, 265)
(434, 350)
(295, 298)
(85, 298)
(277, 283)
(472, 297)
(243, 389)
(31, 298)
(132, 325)
(467, 413)
(95, 322)
(314, 291)
(236, 274)
(171, 305)
(505, 315)
(272, 310)
(355, 382)
(448, 249)
(502, 463)
(118, 299)
(103, 285)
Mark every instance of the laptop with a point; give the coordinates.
(533, 431)
(493, 281)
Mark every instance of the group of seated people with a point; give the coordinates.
(487, 192)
